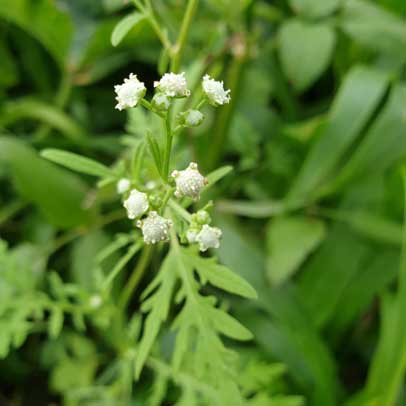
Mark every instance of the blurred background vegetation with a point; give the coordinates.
(312, 214)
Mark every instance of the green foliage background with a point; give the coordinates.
(312, 214)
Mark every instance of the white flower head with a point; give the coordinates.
(130, 92)
(208, 237)
(214, 91)
(173, 85)
(154, 228)
(123, 185)
(189, 182)
(136, 204)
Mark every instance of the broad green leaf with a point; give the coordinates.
(305, 51)
(228, 325)
(314, 8)
(374, 27)
(58, 194)
(384, 143)
(124, 26)
(356, 101)
(220, 276)
(76, 162)
(155, 151)
(45, 21)
(289, 241)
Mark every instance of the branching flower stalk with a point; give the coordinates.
(158, 208)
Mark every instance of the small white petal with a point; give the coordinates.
(136, 204)
(214, 91)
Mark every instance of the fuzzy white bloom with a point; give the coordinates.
(123, 185)
(173, 85)
(129, 93)
(208, 237)
(154, 228)
(189, 182)
(136, 204)
(214, 91)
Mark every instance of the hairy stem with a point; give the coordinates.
(183, 34)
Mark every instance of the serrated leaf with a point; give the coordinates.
(76, 162)
(228, 325)
(124, 26)
(289, 241)
(305, 51)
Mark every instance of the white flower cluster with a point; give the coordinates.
(130, 92)
(171, 85)
(189, 182)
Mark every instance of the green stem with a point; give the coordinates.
(156, 27)
(184, 31)
(136, 276)
(168, 147)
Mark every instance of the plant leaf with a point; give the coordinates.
(289, 241)
(76, 162)
(124, 26)
(305, 51)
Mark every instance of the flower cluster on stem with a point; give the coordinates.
(149, 207)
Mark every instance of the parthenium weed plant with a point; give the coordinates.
(166, 226)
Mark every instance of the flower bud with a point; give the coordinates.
(208, 237)
(190, 118)
(136, 204)
(123, 185)
(202, 217)
(189, 182)
(154, 228)
(161, 102)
